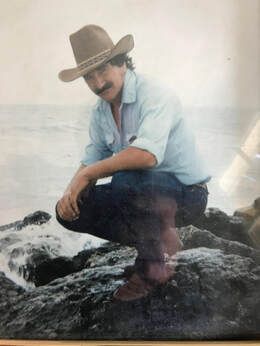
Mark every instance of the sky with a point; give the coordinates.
(207, 51)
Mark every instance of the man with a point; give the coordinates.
(139, 137)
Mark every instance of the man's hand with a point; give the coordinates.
(67, 206)
(128, 159)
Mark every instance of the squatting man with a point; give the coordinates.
(138, 135)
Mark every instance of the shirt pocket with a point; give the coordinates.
(129, 138)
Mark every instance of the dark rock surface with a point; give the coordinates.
(193, 237)
(215, 294)
(37, 218)
(225, 226)
(43, 270)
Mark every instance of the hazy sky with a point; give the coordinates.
(206, 50)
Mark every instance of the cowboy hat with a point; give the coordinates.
(92, 47)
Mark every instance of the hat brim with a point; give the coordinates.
(124, 45)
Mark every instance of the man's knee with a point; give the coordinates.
(138, 189)
(129, 189)
(125, 179)
(65, 223)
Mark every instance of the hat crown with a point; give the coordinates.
(89, 41)
(92, 46)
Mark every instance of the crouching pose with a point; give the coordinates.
(138, 135)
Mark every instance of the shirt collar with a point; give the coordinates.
(129, 88)
(129, 91)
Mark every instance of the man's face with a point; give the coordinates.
(107, 81)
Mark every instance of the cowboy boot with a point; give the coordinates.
(134, 288)
(141, 285)
(171, 244)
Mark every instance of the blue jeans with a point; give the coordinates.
(126, 210)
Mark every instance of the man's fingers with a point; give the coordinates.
(83, 194)
(59, 209)
(74, 205)
(62, 213)
(70, 209)
(65, 210)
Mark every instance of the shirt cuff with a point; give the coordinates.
(146, 144)
(87, 162)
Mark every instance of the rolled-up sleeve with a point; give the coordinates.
(159, 116)
(97, 149)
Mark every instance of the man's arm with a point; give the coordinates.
(64, 206)
(74, 177)
(127, 159)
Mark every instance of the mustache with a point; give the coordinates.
(105, 87)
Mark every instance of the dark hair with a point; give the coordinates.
(119, 60)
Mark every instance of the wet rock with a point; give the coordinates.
(37, 218)
(41, 269)
(31, 255)
(46, 269)
(193, 237)
(10, 295)
(212, 296)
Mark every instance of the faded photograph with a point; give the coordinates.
(130, 170)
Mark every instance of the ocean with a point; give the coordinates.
(41, 149)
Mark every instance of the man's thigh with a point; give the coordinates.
(98, 213)
(139, 180)
(140, 188)
(145, 183)
(193, 205)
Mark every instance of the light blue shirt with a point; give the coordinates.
(152, 120)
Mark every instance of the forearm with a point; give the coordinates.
(75, 175)
(67, 206)
(128, 159)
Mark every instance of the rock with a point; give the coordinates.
(252, 215)
(250, 212)
(32, 256)
(193, 237)
(212, 296)
(257, 204)
(42, 269)
(37, 218)
(224, 226)
(254, 232)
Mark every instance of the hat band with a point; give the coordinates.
(93, 60)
